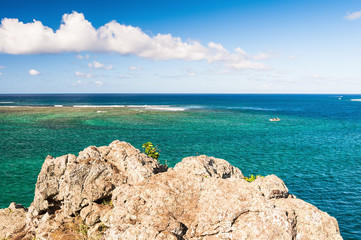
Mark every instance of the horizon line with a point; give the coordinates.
(145, 93)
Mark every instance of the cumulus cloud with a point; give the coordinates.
(81, 57)
(98, 65)
(353, 15)
(83, 75)
(34, 72)
(192, 74)
(134, 68)
(76, 34)
(1, 73)
(2, 67)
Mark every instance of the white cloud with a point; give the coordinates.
(279, 74)
(87, 83)
(264, 56)
(34, 72)
(76, 34)
(81, 57)
(98, 83)
(192, 74)
(80, 83)
(353, 15)
(276, 75)
(237, 60)
(134, 68)
(319, 77)
(1, 73)
(98, 65)
(2, 67)
(83, 75)
(292, 57)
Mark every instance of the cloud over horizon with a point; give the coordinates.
(76, 34)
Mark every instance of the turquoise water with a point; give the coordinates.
(315, 148)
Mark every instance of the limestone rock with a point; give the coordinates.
(208, 166)
(271, 187)
(12, 221)
(116, 192)
(71, 183)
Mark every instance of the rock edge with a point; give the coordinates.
(117, 192)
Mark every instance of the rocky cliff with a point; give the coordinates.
(117, 192)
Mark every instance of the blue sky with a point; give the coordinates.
(180, 46)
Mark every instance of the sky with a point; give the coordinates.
(180, 46)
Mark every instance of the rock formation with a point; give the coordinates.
(117, 192)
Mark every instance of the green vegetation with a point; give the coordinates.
(252, 178)
(106, 202)
(102, 227)
(150, 150)
(83, 230)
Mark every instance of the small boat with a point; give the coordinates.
(274, 119)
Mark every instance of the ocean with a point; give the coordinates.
(314, 148)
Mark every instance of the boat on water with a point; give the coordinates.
(274, 119)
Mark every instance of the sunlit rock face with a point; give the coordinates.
(117, 192)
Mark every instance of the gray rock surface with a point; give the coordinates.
(116, 192)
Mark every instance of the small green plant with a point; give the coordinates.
(252, 178)
(150, 150)
(106, 202)
(83, 230)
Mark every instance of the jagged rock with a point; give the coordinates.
(271, 187)
(12, 220)
(116, 192)
(208, 166)
(92, 213)
(70, 183)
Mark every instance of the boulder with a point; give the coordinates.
(70, 183)
(208, 166)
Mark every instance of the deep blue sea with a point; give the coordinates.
(315, 147)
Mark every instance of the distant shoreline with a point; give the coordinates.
(137, 107)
